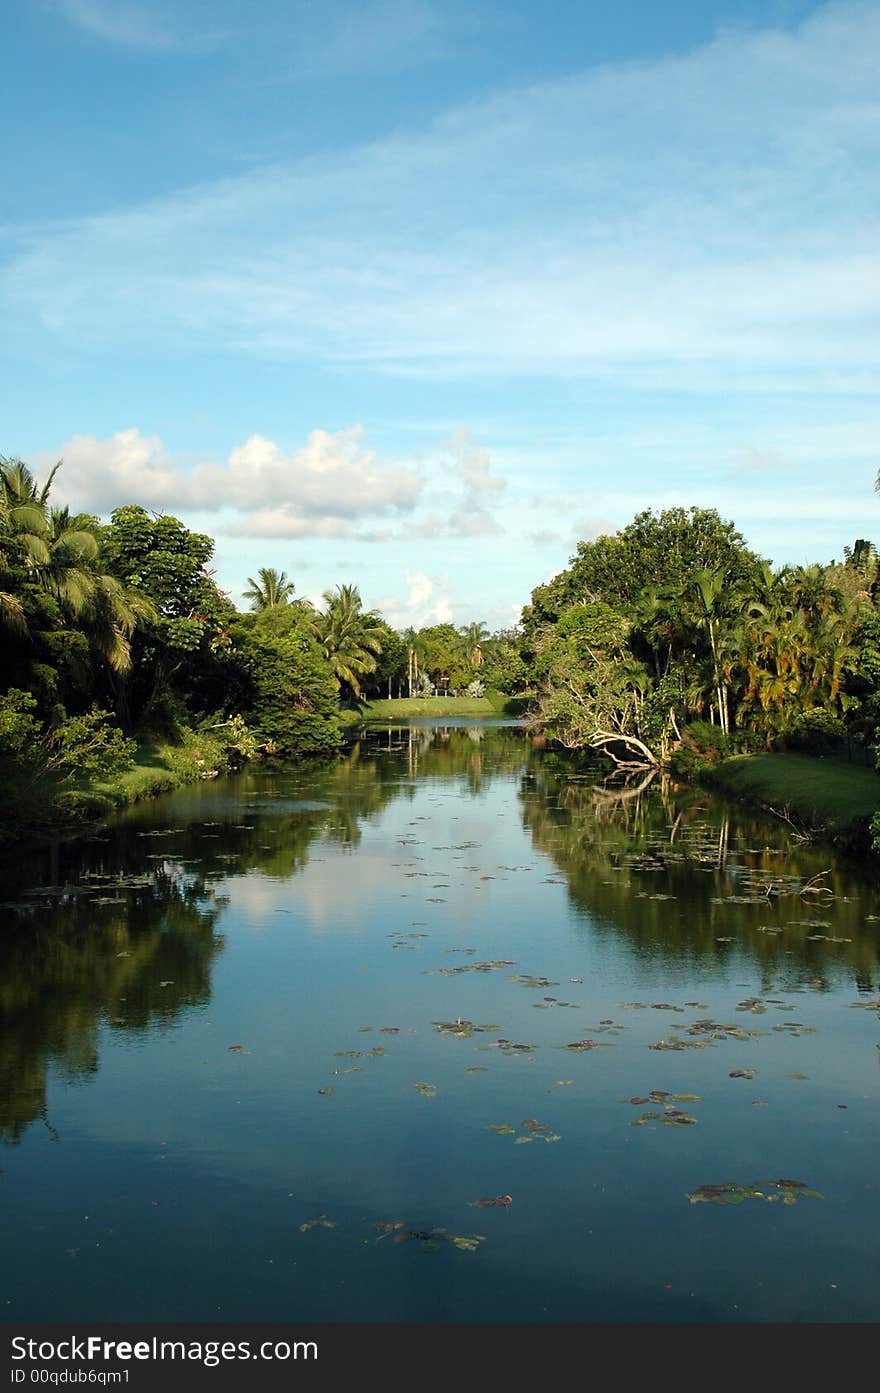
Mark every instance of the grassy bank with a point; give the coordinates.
(49, 807)
(819, 795)
(407, 708)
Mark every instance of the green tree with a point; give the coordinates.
(351, 637)
(473, 637)
(162, 559)
(278, 678)
(272, 588)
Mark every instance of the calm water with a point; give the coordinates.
(220, 1024)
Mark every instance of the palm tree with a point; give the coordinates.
(473, 636)
(23, 521)
(273, 588)
(416, 653)
(707, 588)
(350, 636)
(60, 553)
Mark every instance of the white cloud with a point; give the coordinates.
(701, 221)
(428, 601)
(588, 529)
(99, 475)
(321, 489)
(463, 470)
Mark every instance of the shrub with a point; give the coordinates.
(703, 745)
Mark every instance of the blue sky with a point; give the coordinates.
(414, 294)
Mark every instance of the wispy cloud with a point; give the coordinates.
(465, 468)
(700, 222)
(353, 37)
(428, 601)
(119, 22)
(294, 39)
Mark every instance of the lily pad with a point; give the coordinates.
(771, 1191)
(322, 1222)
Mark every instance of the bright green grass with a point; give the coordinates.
(817, 791)
(404, 708)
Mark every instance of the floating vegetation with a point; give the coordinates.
(718, 1031)
(659, 1095)
(537, 1131)
(234, 1049)
(427, 1090)
(322, 1222)
(326, 1092)
(462, 1030)
(475, 967)
(503, 1129)
(579, 1046)
(795, 1028)
(788, 1191)
(671, 1116)
(477, 1069)
(430, 1239)
(797, 1076)
(508, 1046)
(753, 1004)
(527, 981)
(496, 1202)
(743, 1074)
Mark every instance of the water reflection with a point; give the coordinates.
(121, 931)
(128, 952)
(680, 875)
(360, 990)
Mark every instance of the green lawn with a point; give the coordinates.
(819, 792)
(403, 708)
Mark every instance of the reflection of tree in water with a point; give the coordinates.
(470, 755)
(678, 873)
(70, 965)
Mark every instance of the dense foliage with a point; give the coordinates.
(672, 640)
(119, 647)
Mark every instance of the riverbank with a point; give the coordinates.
(819, 796)
(49, 807)
(399, 709)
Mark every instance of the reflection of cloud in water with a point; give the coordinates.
(327, 900)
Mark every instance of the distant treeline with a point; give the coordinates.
(668, 641)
